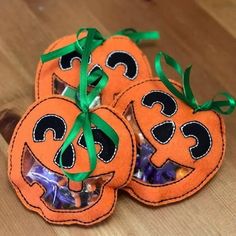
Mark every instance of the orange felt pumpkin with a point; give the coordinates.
(34, 163)
(118, 56)
(178, 151)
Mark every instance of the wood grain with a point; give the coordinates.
(222, 11)
(198, 32)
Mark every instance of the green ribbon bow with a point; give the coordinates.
(84, 99)
(187, 95)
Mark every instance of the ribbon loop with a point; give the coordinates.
(75, 46)
(229, 104)
(187, 95)
(160, 72)
(137, 37)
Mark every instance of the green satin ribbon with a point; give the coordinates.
(137, 37)
(187, 95)
(134, 35)
(84, 99)
(75, 46)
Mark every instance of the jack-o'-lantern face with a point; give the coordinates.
(118, 56)
(178, 151)
(34, 163)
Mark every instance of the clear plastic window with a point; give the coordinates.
(144, 169)
(57, 193)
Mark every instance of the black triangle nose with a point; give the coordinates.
(163, 132)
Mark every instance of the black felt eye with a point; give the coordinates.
(203, 138)
(117, 58)
(68, 157)
(49, 122)
(163, 132)
(168, 103)
(108, 149)
(66, 61)
(58, 126)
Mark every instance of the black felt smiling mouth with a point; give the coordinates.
(57, 194)
(170, 172)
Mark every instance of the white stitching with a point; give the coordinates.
(73, 160)
(54, 134)
(98, 154)
(172, 134)
(197, 140)
(71, 62)
(158, 102)
(94, 66)
(121, 63)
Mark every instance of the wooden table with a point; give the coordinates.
(200, 32)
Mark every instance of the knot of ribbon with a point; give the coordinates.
(225, 107)
(83, 100)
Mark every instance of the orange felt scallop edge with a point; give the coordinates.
(32, 195)
(203, 169)
(50, 71)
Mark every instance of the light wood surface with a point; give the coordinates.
(200, 32)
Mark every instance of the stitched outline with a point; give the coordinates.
(123, 64)
(41, 197)
(196, 138)
(162, 104)
(115, 190)
(89, 73)
(172, 134)
(73, 159)
(54, 133)
(49, 49)
(94, 66)
(201, 184)
(100, 144)
(71, 62)
(56, 77)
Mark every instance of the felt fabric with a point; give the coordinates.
(34, 167)
(118, 56)
(178, 151)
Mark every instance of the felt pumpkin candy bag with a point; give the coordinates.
(180, 144)
(34, 163)
(118, 56)
(66, 160)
